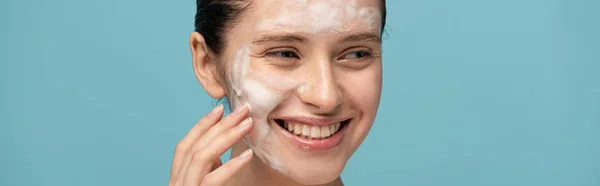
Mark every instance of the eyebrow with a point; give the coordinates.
(279, 38)
(366, 36)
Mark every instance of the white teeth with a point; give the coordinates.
(325, 131)
(311, 131)
(297, 129)
(305, 130)
(315, 132)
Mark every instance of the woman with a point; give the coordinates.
(304, 77)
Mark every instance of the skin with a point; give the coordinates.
(322, 73)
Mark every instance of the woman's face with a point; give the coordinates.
(310, 71)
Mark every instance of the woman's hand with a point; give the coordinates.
(196, 160)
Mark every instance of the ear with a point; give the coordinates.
(205, 67)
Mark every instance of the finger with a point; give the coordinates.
(226, 123)
(199, 128)
(216, 164)
(225, 172)
(199, 164)
(203, 125)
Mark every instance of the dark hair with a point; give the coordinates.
(213, 17)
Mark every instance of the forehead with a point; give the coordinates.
(317, 17)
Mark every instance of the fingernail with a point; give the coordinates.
(246, 154)
(215, 111)
(239, 109)
(246, 122)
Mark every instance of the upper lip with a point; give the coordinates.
(313, 120)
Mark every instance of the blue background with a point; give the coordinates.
(476, 92)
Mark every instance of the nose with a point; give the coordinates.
(321, 90)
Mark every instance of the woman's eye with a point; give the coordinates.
(283, 54)
(356, 55)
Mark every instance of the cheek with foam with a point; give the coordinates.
(262, 92)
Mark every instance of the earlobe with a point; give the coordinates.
(205, 66)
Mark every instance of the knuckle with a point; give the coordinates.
(228, 135)
(231, 134)
(198, 157)
(217, 127)
(181, 147)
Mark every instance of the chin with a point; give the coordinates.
(316, 172)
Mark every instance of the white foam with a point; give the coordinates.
(262, 101)
(321, 17)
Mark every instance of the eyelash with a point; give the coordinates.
(364, 53)
(289, 54)
(280, 54)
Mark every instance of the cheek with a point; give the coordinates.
(263, 93)
(261, 101)
(362, 89)
(362, 92)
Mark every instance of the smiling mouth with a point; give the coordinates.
(311, 132)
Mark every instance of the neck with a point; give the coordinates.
(258, 173)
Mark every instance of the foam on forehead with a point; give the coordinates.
(321, 17)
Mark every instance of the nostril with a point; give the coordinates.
(322, 102)
(322, 93)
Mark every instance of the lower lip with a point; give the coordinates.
(315, 144)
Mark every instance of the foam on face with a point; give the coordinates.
(249, 88)
(321, 17)
(263, 91)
